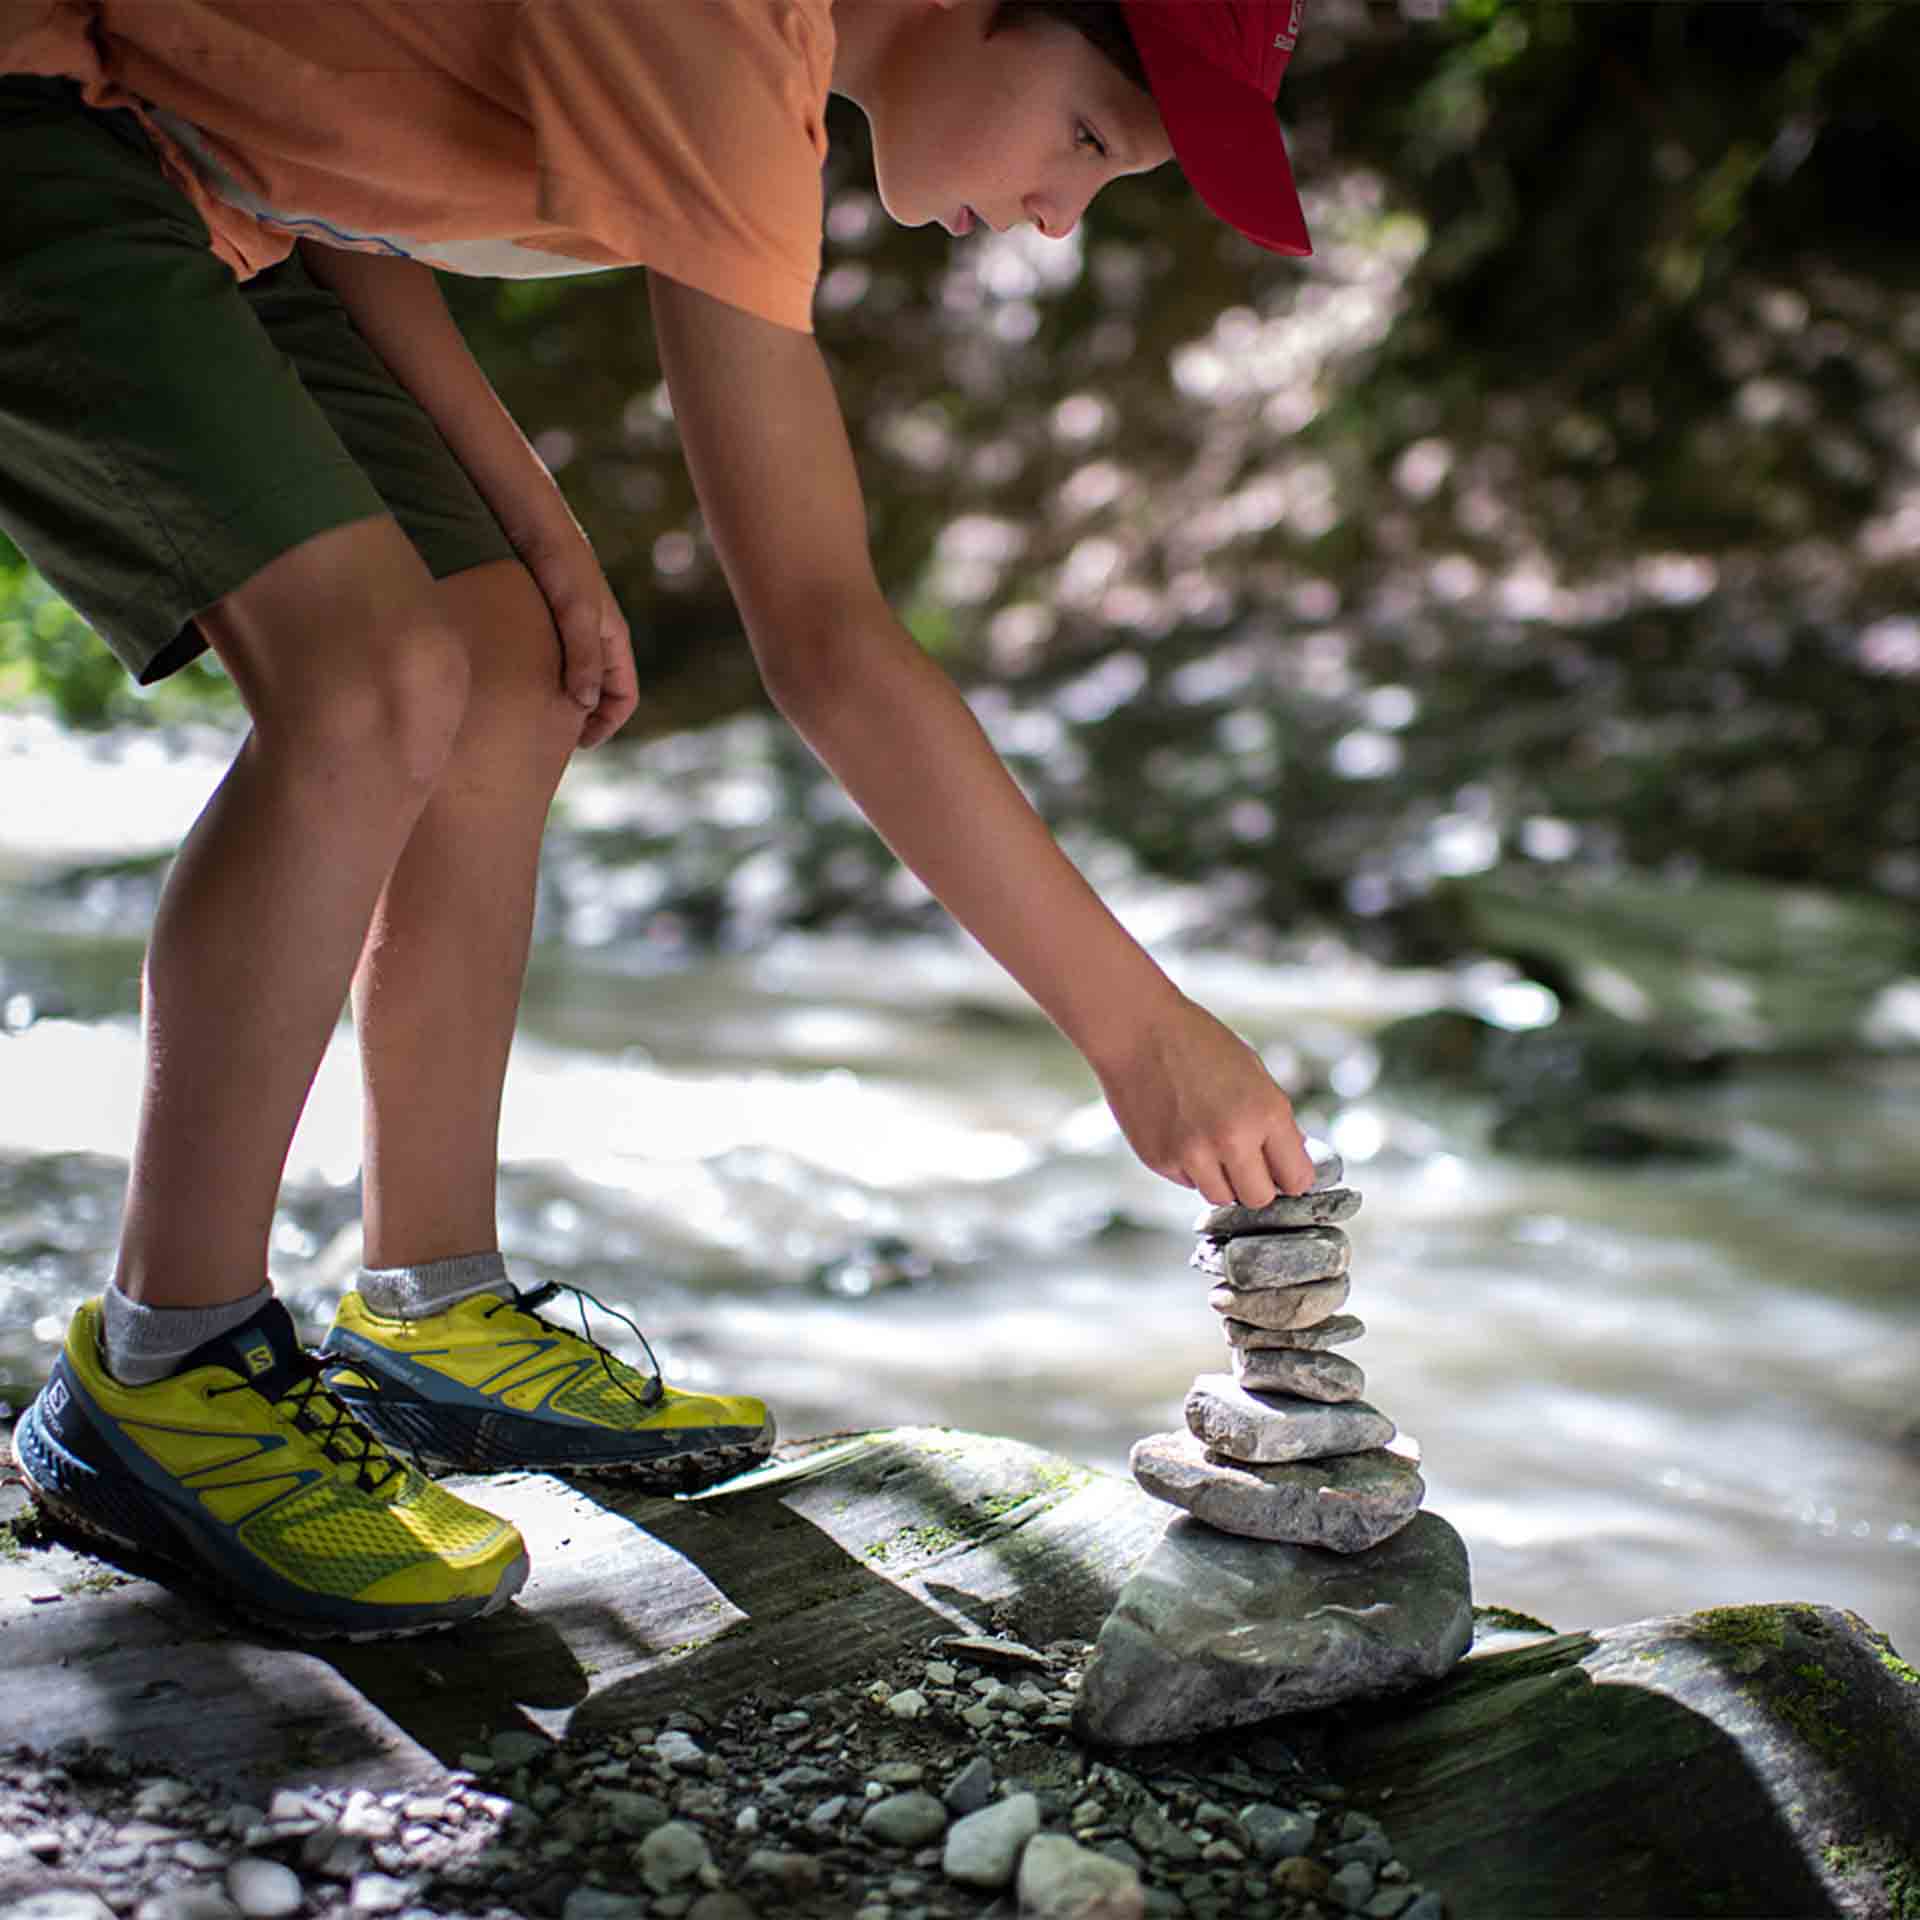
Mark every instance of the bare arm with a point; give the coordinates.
(768, 451)
(397, 307)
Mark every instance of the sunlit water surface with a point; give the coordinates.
(860, 1178)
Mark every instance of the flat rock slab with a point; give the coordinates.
(1276, 1259)
(1311, 1376)
(1740, 1762)
(1347, 1504)
(1268, 1429)
(1217, 1632)
(1321, 1208)
(1342, 1328)
(841, 1552)
(1281, 1309)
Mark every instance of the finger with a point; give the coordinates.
(584, 649)
(1253, 1180)
(1289, 1161)
(1208, 1179)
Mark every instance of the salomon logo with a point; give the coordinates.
(56, 1398)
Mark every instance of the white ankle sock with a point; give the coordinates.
(143, 1344)
(411, 1293)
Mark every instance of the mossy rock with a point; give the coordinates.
(1752, 1760)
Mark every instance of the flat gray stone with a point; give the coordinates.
(1348, 1504)
(1281, 1309)
(1216, 1632)
(264, 1889)
(1062, 1880)
(1276, 1259)
(1323, 1207)
(1268, 1429)
(1312, 1376)
(1338, 1331)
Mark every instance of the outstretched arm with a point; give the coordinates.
(768, 450)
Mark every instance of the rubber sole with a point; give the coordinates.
(460, 1440)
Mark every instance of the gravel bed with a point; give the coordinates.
(909, 1797)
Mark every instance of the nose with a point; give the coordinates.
(1055, 215)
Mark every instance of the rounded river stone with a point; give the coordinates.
(1348, 1503)
(1276, 1259)
(1280, 1309)
(1336, 1332)
(1313, 1376)
(1323, 1207)
(1266, 1429)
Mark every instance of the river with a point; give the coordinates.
(855, 1174)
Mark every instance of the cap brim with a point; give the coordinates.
(1226, 139)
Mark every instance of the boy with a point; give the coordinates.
(235, 414)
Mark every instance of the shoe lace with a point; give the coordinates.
(340, 1437)
(650, 1395)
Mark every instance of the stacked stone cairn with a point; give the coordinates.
(1283, 1447)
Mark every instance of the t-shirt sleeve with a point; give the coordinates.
(688, 135)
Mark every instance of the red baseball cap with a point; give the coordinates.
(1215, 67)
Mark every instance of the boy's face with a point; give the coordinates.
(1002, 132)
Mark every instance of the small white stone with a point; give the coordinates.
(379, 1893)
(909, 1704)
(264, 1889)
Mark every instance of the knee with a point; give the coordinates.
(390, 715)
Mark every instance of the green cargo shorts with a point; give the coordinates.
(166, 431)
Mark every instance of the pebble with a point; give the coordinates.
(1428, 1907)
(1323, 1207)
(1269, 1429)
(263, 1889)
(899, 1773)
(671, 1854)
(198, 1855)
(1311, 1376)
(1339, 1330)
(905, 1820)
(379, 1893)
(1154, 1833)
(1348, 1503)
(681, 1752)
(602, 1903)
(1352, 1884)
(827, 1812)
(1389, 1903)
(982, 1848)
(971, 1788)
(515, 1747)
(183, 1903)
(631, 1815)
(1302, 1876)
(1061, 1880)
(792, 1872)
(1277, 1259)
(1280, 1309)
(985, 1650)
(1277, 1833)
(60, 1903)
(908, 1704)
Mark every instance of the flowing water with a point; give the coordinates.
(858, 1176)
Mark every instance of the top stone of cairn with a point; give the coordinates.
(1324, 1204)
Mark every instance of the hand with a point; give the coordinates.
(595, 644)
(1198, 1107)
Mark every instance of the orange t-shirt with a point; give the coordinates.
(506, 137)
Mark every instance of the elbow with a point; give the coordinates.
(816, 667)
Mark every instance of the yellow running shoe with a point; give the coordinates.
(244, 1469)
(488, 1386)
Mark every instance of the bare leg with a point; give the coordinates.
(438, 987)
(356, 687)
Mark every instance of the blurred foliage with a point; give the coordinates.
(1565, 509)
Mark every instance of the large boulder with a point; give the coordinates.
(1216, 1631)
